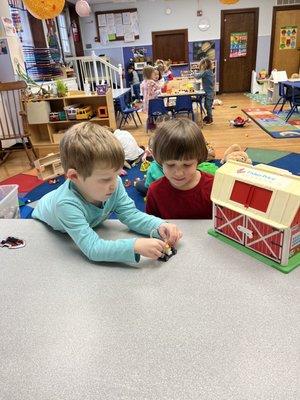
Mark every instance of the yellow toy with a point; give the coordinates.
(235, 153)
(144, 166)
(84, 112)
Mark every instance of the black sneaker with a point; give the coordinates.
(205, 118)
(209, 121)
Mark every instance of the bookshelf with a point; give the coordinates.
(45, 135)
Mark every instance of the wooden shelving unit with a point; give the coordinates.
(45, 137)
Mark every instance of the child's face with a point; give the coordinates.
(181, 174)
(156, 76)
(153, 75)
(99, 186)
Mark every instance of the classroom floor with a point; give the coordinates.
(220, 134)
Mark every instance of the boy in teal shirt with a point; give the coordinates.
(92, 159)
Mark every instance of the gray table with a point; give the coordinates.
(209, 324)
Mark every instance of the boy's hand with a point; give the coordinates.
(151, 248)
(170, 233)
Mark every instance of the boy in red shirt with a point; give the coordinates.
(184, 192)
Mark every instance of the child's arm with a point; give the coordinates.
(73, 220)
(129, 215)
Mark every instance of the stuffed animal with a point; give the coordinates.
(234, 152)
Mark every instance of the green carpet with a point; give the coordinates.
(259, 98)
(265, 156)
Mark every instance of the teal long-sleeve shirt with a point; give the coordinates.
(66, 210)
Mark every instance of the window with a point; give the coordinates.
(251, 196)
(63, 31)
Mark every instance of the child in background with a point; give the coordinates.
(167, 75)
(134, 82)
(208, 83)
(149, 87)
(184, 192)
(92, 159)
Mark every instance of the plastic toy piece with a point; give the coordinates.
(127, 183)
(168, 253)
(102, 112)
(239, 122)
(12, 243)
(136, 181)
(144, 166)
(52, 181)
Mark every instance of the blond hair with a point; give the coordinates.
(86, 145)
(206, 63)
(179, 139)
(147, 72)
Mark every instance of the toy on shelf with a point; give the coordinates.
(49, 167)
(101, 89)
(239, 122)
(235, 153)
(168, 253)
(84, 112)
(257, 210)
(55, 116)
(71, 111)
(102, 112)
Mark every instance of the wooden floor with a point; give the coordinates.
(220, 134)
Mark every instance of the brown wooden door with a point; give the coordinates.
(171, 45)
(238, 48)
(285, 54)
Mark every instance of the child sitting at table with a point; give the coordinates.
(208, 84)
(149, 87)
(184, 192)
(92, 159)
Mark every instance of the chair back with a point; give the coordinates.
(11, 120)
(122, 103)
(184, 103)
(156, 107)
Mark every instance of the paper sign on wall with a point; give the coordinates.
(288, 37)
(238, 44)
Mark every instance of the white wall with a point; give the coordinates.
(152, 17)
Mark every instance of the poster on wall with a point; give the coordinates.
(288, 37)
(203, 50)
(238, 44)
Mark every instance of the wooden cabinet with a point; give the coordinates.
(45, 137)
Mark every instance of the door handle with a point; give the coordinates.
(225, 59)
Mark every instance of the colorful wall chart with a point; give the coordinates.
(238, 44)
(288, 37)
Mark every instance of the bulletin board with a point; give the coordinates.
(117, 25)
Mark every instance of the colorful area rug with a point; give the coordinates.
(274, 123)
(258, 97)
(25, 182)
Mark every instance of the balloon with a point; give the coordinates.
(83, 8)
(44, 9)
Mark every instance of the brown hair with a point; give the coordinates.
(206, 63)
(179, 139)
(160, 72)
(86, 144)
(147, 71)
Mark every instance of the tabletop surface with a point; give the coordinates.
(195, 93)
(211, 323)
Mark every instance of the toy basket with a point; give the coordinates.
(9, 204)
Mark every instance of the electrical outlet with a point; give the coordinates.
(199, 13)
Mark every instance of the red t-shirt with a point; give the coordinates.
(167, 202)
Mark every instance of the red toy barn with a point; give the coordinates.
(258, 207)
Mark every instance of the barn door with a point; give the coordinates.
(285, 40)
(229, 223)
(238, 48)
(264, 239)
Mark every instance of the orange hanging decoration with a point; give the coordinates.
(44, 9)
(229, 1)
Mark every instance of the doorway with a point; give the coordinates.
(285, 47)
(238, 48)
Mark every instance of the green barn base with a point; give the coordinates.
(294, 261)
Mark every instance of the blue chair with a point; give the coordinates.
(126, 112)
(156, 108)
(295, 103)
(184, 105)
(285, 94)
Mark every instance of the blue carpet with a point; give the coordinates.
(291, 162)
